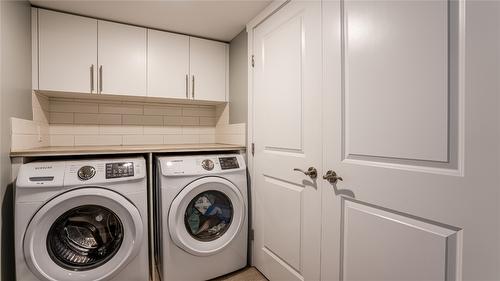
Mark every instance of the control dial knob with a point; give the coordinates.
(207, 164)
(86, 173)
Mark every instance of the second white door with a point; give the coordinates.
(287, 136)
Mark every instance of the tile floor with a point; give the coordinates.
(246, 274)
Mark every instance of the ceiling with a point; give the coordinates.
(220, 20)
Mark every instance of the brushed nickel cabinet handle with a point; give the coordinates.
(92, 78)
(100, 79)
(187, 86)
(311, 172)
(332, 177)
(192, 92)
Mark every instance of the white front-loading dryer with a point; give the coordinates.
(82, 220)
(202, 218)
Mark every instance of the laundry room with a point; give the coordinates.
(249, 140)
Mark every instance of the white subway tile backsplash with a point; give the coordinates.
(77, 122)
(150, 120)
(61, 118)
(162, 130)
(87, 118)
(62, 140)
(198, 111)
(162, 110)
(40, 115)
(208, 121)
(190, 139)
(28, 141)
(63, 129)
(23, 127)
(190, 121)
(172, 120)
(207, 138)
(94, 118)
(68, 106)
(98, 140)
(120, 130)
(142, 139)
(121, 108)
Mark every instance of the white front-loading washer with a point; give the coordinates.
(202, 216)
(82, 220)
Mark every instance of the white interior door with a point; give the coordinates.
(168, 64)
(67, 52)
(122, 59)
(410, 126)
(286, 133)
(208, 67)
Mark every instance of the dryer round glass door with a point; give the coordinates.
(206, 216)
(84, 234)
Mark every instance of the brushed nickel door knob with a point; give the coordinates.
(311, 172)
(332, 177)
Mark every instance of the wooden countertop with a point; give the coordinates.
(121, 149)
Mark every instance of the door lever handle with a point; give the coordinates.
(311, 172)
(332, 177)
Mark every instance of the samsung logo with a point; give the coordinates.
(43, 168)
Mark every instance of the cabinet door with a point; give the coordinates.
(208, 69)
(122, 59)
(67, 52)
(168, 64)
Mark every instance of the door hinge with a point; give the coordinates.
(253, 149)
(251, 235)
(253, 61)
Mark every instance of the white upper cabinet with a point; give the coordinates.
(85, 55)
(67, 49)
(208, 66)
(168, 65)
(122, 59)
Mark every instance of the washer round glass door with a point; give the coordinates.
(83, 234)
(206, 216)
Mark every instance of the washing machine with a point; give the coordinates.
(202, 220)
(82, 220)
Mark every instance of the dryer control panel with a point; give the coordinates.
(201, 164)
(228, 163)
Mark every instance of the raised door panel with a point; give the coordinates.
(122, 59)
(381, 244)
(168, 64)
(396, 80)
(208, 61)
(67, 52)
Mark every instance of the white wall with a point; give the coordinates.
(15, 101)
(238, 79)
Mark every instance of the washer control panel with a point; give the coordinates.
(228, 163)
(86, 173)
(119, 170)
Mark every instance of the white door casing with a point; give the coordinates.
(410, 125)
(208, 62)
(122, 59)
(168, 65)
(286, 133)
(67, 52)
